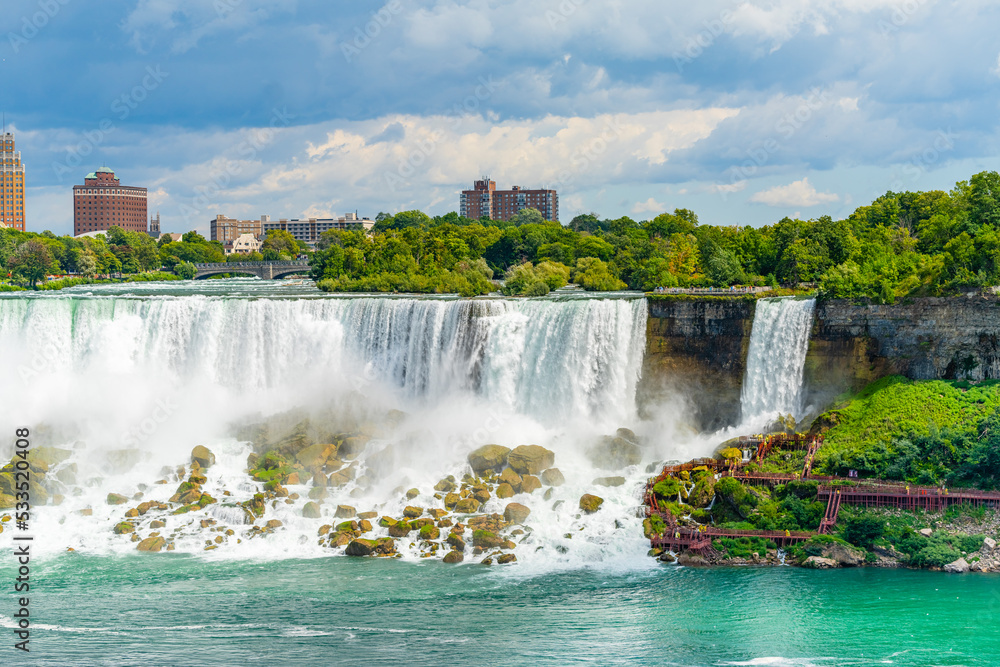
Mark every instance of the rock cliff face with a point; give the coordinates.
(697, 349)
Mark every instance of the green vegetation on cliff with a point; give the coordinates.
(925, 432)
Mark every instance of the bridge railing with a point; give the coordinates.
(252, 265)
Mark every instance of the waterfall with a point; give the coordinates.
(776, 359)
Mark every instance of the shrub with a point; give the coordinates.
(935, 555)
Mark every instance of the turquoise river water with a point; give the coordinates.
(179, 610)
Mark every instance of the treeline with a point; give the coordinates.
(26, 258)
(903, 244)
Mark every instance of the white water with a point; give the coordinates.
(776, 360)
(132, 384)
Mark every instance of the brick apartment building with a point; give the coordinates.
(484, 200)
(11, 184)
(103, 202)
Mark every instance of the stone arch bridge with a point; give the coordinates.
(264, 270)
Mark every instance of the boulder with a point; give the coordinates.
(609, 481)
(959, 566)
(123, 528)
(437, 513)
(505, 559)
(339, 540)
(400, 529)
(430, 532)
(467, 506)
(590, 503)
(482, 495)
(820, 563)
(351, 447)
(345, 512)
(368, 515)
(446, 485)
(116, 499)
(412, 493)
(926, 532)
(515, 513)
(453, 557)
(273, 523)
(153, 544)
(411, 512)
(385, 546)
(989, 544)
(319, 480)
(504, 491)
(451, 500)
(844, 555)
(486, 539)
(202, 456)
(530, 459)
(314, 457)
(627, 435)
(341, 477)
(365, 526)
(530, 484)
(44, 458)
(361, 547)
(553, 477)
(510, 477)
(488, 458)
(689, 559)
(318, 493)
(312, 511)
(456, 541)
(614, 454)
(7, 502)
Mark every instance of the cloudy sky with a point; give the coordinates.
(743, 111)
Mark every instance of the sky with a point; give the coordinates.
(744, 112)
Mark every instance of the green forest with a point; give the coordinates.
(902, 244)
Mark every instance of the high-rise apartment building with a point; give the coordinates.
(11, 184)
(227, 230)
(103, 202)
(484, 200)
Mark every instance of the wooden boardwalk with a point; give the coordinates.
(835, 491)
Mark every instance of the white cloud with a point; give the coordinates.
(649, 206)
(798, 193)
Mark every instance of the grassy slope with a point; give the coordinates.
(894, 407)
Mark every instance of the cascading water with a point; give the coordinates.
(776, 359)
(130, 384)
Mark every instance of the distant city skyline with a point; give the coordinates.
(743, 112)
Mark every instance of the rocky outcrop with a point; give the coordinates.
(530, 459)
(590, 503)
(488, 458)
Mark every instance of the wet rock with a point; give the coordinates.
(530, 459)
(820, 563)
(202, 456)
(453, 557)
(340, 540)
(446, 485)
(486, 539)
(510, 477)
(467, 506)
(989, 544)
(345, 512)
(548, 493)
(318, 493)
(609, 481)
(312, 510)
(516, 513)
(627, 435)
(293, 479)
(506, 559)
(367, 515)
(504, 491)
(361, 547)
(590, 503)
(353, 446)
(430, 532)
(273, 523)
(456, 541)
(437, 513)
(116, 499)
(319, 480)
(123, 528)
(488, 458)
(152, 544)
(324, 529)
(412, 493)
(959, 566)
(365, 526)
(132, 513)
(411, 512)
(340, 478)
(614, 454)
(553, 477)
(451, 500)
(158, 524)
(197, 478)
(482, 495)
(530, 484)
(689, 559)
(385, 546)
(400, 529)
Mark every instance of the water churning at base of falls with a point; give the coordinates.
(776, 359)
(130, 384)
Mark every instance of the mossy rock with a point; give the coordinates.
(340, 478)
(123, 528)
(202, 456)
(400, 529)
(314, 457)
(385, 546)
(387, 522)
(456, 541)
(430, 532)
(454, 557)
(445, 486)
(488, 458)
(205, 500)
(530, 459)
(361, 548)
(590, 503)
(351, 447)
(482, 495)
(318, 493)
(312, 510)
(116, 499)
(506, 559)
(486, 539)
(346, 527)
(412, 512)
(510, 477)
(504, 491)
(152, 544)
(345, 512)
(412, 493)
(467, 506)
(45, 458)
(365, 526)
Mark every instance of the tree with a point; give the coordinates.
(528, 216)
(279, 244)
(185, 270)
(86, 264)
(593, 274)
(32, 261)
